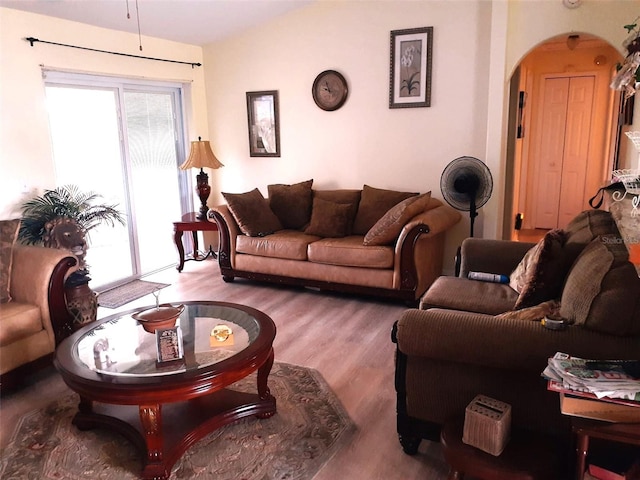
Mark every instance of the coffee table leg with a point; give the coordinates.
(151, 420)
(263, 389)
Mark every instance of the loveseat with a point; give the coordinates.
(470, 337)
(370, 241)
(33, 312)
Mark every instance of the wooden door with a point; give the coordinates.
(563, 147)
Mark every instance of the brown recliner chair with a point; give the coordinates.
(457, 346)
(36, 319)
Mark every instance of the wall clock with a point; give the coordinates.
(330, 90)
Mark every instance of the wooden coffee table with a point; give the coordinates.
(164, 409)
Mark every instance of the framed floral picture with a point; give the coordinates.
(410, 72)
(264, 127)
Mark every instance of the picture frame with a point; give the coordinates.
(264, 123)
(410, 69)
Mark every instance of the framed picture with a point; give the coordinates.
(264, 126)
(410, 72)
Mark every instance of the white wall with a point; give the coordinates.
(26, 162)
(364, 141)
(477, 44)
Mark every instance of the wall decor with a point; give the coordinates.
(264, 124)
(330, 90)
(410, 72)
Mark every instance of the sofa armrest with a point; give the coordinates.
(228, 230)
(37, 278)
(487, 341)
(419, 249)
(491, 256)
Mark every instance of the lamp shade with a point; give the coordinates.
(201, 156)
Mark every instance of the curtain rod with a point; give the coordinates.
(32, 40)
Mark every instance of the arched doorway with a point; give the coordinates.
(563, 132)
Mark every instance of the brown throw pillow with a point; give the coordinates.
(540, 274)
(387, 229)
(602, 291)
(252, 213)
(8, 235)
(374, 203)
(345, 196)
(590, 224)
(291, 203)
(329, 219)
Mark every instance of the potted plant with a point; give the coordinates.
(62, 218)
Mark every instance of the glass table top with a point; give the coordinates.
(121, 347)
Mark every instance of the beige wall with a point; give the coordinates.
(26, 163)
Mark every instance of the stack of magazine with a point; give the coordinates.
(600, 389)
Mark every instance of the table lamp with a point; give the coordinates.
(201, 156)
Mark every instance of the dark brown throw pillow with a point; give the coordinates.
(387, 229)
(374, 203)
(292, 203)
(8, 236)
(252, 213)
(346, 196)
(540, 275)
(590, 224)
(329, 219)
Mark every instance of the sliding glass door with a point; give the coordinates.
(122, 141)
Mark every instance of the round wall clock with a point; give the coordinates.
(330, 90)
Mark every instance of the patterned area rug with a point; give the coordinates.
(116, 297)
(309, 427)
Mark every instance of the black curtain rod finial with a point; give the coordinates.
(31, 40)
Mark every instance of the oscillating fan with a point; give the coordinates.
(466, 185)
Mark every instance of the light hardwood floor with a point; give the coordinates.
(346, 338)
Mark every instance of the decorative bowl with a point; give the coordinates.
(162, 316)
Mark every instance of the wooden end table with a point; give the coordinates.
(190, 223)
(585, 428)
(527, 456)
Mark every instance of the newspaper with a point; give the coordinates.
(603, 378)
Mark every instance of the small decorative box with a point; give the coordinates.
(487, 424)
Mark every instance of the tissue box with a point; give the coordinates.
(487, 424)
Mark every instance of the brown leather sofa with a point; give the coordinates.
(467, 338)
(36, 319)
(308, 250)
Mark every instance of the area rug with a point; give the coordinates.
(116, 297)
(309, 427)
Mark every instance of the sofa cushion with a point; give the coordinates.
(252, 213)
(456, 293)
(19, 320)
(291, 244)
(350, 252)
(602, 291)
(540, 274)
(347, 196)
(590, 224)
(374, 203)
(329, 219)
(386, 230)
(291, 203)
(8, 236)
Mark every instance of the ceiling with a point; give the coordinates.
(196, 22)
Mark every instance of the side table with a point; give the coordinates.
(190, 223)
(585, 428)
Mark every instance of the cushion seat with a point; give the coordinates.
(479, 297)
(19, 320)
(350, 252)
(289, 244)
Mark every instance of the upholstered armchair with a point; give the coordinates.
(34, 317)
